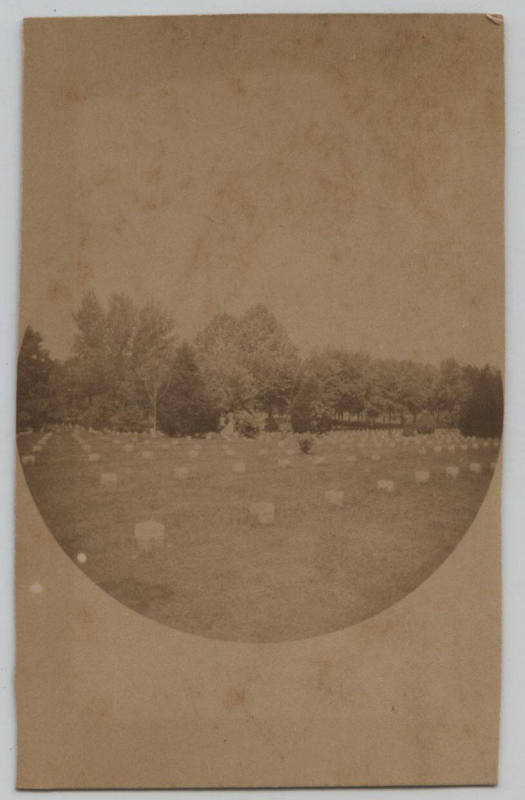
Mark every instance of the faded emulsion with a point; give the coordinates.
(260, 403)
(233, 488)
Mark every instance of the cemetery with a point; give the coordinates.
(236, 487)
(225, 537)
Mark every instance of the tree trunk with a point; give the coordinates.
(154, 404)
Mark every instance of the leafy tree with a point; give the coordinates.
(36, 402)
(89, 348)
(153, 354)
(218, 349)
(185, 408)
(311, 410)
(482, 411)
(451, 389)
(416, 386)
(270, 357)
(383, 389)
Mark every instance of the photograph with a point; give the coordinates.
(260, 381)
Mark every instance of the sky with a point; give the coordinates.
(346, 172)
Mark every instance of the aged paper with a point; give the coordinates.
(260, 401)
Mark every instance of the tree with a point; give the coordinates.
(482, 411)
(451, 389)
(383, 390)
(185, 409)
(218, 352)
(89, 347)
(270, 357)
(416, 386)
(153, 354)
(310, 410)
(35, 399)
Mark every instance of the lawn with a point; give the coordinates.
(220, 572)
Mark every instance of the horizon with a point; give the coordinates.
(67, 353)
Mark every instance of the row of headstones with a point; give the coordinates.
(30, 458)
(151, 533)
(390, 437)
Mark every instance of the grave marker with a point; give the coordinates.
(148, 535)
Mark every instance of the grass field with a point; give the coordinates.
(220, 572)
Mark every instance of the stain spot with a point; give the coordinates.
(57, 292)
(238, 87)
(84, 271)
(235, 697)
(154, 175)
(84, 615)
(73, 95)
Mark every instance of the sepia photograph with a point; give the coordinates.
(260, 398)
(260, 401)
(238, 487)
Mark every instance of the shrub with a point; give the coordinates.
(246, 424)
(482, 413)
(310, 413)
(305, 444)
(426, 423)
(271, 425)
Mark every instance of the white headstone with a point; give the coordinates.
(264, 511)
(385, 485)
(475, 467)
(94, 457)
(283, 462)
(108, 479)
(128, 448)
(28, 459)
(452, 471)
(147, 454)
(375, 457)
(334, 497)
(149, 534)
(422, 475)
(239, 467)
(181, 473)
(318, 460)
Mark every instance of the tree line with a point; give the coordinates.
(128, 371)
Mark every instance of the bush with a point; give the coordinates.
(185, 408)
(305, 444)
(309, 413)
(426, 423)
(246, 424)
(482, 413)
(271, 425)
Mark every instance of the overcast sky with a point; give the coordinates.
(347, 173)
